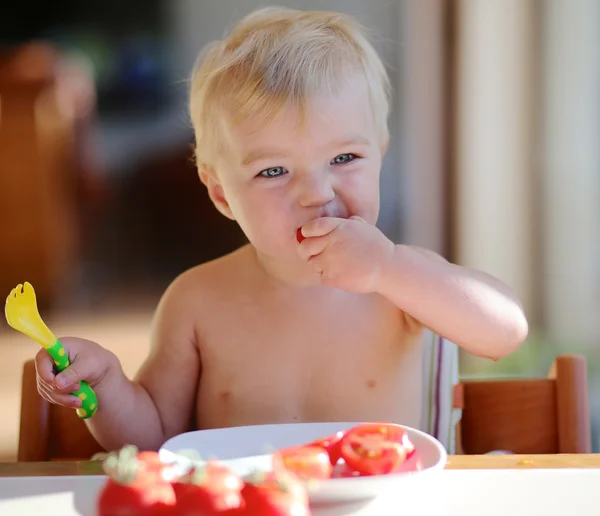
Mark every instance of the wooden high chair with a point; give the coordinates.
(45, 167)
(527, 416)
(545, 415)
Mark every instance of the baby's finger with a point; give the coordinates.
(44, 366)
(49, 386)
(66, 400)
(316, 263)
(321, 226)
(68, 389)
(44, 391)
(312, 247)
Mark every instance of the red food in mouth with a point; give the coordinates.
(299, 235)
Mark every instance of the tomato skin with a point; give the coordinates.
(152, 467)
(307, 462)
(375, 448)
(276, 495)
(332, 445)
(211, 490)
(134, 485)
(195, 500)
(411, 464)
(299, 236)
(136, 499)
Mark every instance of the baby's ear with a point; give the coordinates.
(215, 190)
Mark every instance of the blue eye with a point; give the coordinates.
(273, 172)
(343, 158)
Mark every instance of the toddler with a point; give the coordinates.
(320, 317)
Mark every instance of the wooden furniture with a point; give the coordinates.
(527, 416)
(48, 431)
(533, 416)
(45, 111)
(58, 468)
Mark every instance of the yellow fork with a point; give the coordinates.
(22, 314)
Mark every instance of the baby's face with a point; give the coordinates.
(278, 177)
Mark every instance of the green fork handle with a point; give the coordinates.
(89, 402)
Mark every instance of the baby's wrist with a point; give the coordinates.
(113, 379)
(386, 269)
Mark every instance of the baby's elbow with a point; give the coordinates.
(517, 329)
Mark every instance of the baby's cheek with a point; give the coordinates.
(365, 205)
(270, 233)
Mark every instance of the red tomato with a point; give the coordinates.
(136, 499)
(307, 462)
(152, 466)
(375, 448)
(332, 445)
(208, 490)
(300, 236)
(134, 485)
(276, 494)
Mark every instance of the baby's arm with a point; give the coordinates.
(468, 307)
(159, 402)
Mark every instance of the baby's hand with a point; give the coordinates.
(89, 362)
(349, 254)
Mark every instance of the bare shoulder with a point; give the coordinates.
(171, 371)
(195, 291)
(207, 278)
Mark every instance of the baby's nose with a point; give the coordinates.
(315, 190)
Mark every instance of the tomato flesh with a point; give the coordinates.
(307, 462)
(332, 445)
(375, 449)
(136, 499)
(215, 489)
(277, 494)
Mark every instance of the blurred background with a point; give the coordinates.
(494, 162)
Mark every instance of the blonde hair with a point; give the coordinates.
(277, 56)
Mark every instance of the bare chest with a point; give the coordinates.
(263, 364)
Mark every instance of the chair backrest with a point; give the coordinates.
(528, 416)
(48, 431)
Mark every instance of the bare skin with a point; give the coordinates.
(281, 331)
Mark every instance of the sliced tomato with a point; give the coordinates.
(332, 445)
(275, 494)
(307, 462)
(375, 448)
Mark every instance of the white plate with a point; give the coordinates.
(246, 449)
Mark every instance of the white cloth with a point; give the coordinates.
(440, 374)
